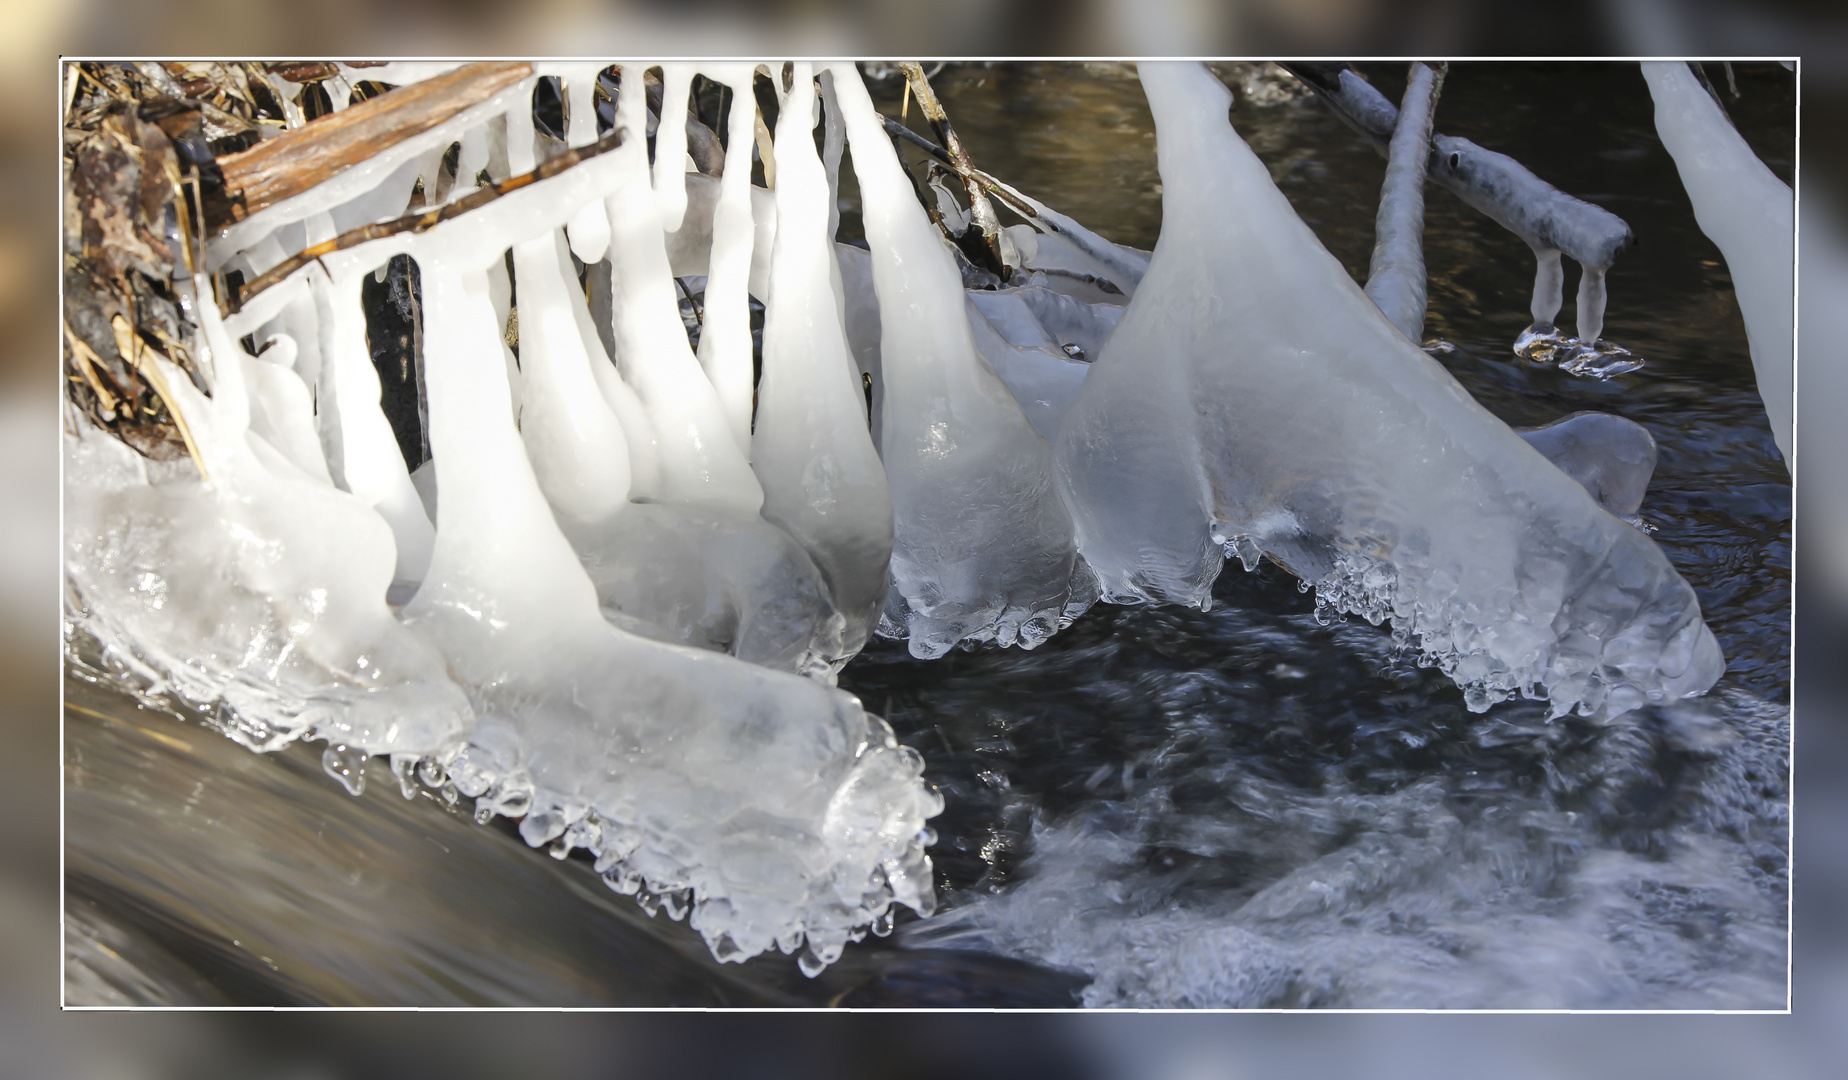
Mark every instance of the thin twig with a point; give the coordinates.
(980, 211)
(1013, 199)
(429, 219)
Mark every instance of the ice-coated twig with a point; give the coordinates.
(418, 222)
(1550, 220)
(1396, 275)
(277, 169)
(1126, 266)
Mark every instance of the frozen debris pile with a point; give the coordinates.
(430, 466)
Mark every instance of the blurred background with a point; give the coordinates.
(40, 1041)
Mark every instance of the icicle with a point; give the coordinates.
(576, 445)
(725, 339)
(822, 479)
(1403, 499)
(833, 141)
(1746, 210)
(1396, 276)
(589, 229)
(670, 168)
(700, 460)
(372, 466)
(983, 546)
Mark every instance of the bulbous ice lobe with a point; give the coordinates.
(821, 476)
(263, 590)
(983, 546)
(681, 769)
(1253, 397)
(712, 579)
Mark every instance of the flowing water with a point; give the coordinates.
(1158, 807)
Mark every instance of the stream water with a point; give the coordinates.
(1159, 807)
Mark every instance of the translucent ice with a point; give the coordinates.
(701, 462)
(1745, 209)
(1042, 377)
(1253, 398)
(775, 800)
(983, 545)
(1612, 458)
(262, 589)
(766, 808)
(714, 579)
(822, 479)
(1396, 276)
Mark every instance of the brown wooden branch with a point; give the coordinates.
(429, 219)
(979, 209)
(296, 160)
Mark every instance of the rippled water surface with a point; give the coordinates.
(1158, 807)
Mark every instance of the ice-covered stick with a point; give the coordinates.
(1396, 275)
(291, 163)
(1746, 210)
(1550, 220)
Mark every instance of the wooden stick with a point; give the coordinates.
(298, 159)
(427, 219)
(979, 209)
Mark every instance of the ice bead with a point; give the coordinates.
(1253, 395)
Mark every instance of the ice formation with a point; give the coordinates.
(822, 479)
(1253, 401)
(1746, 210)
(1547, 219)
(1611, 458)
(613, 602)
(983, 545)
(766, 807)
(1396, 275)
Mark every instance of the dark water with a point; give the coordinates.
(1158, 807)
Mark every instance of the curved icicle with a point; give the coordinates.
(983, 546)
(725, 337)
(1403, 500)
(1746, 210)
(822, 479)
